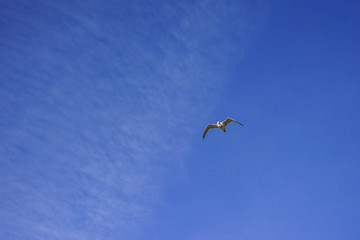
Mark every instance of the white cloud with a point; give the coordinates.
(106, 97)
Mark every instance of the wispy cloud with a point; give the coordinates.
(97, 101)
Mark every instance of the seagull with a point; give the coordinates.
(220, 125)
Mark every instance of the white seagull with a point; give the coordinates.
(220, 125)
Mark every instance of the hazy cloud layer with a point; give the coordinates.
(91, 98)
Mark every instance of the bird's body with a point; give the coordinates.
(220, 125)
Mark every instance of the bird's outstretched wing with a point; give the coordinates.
(229, 120)
(209, 126)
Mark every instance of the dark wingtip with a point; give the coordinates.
(240, 123)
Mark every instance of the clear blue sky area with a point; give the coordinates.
(103, 105)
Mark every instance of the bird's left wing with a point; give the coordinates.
(229, 120)
(209, 126)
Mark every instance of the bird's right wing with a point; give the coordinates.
(209, 126)
(229, 120)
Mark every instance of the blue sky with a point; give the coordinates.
(103, 105)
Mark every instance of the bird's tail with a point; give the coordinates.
(224, 130)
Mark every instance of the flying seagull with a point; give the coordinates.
(220, 125)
